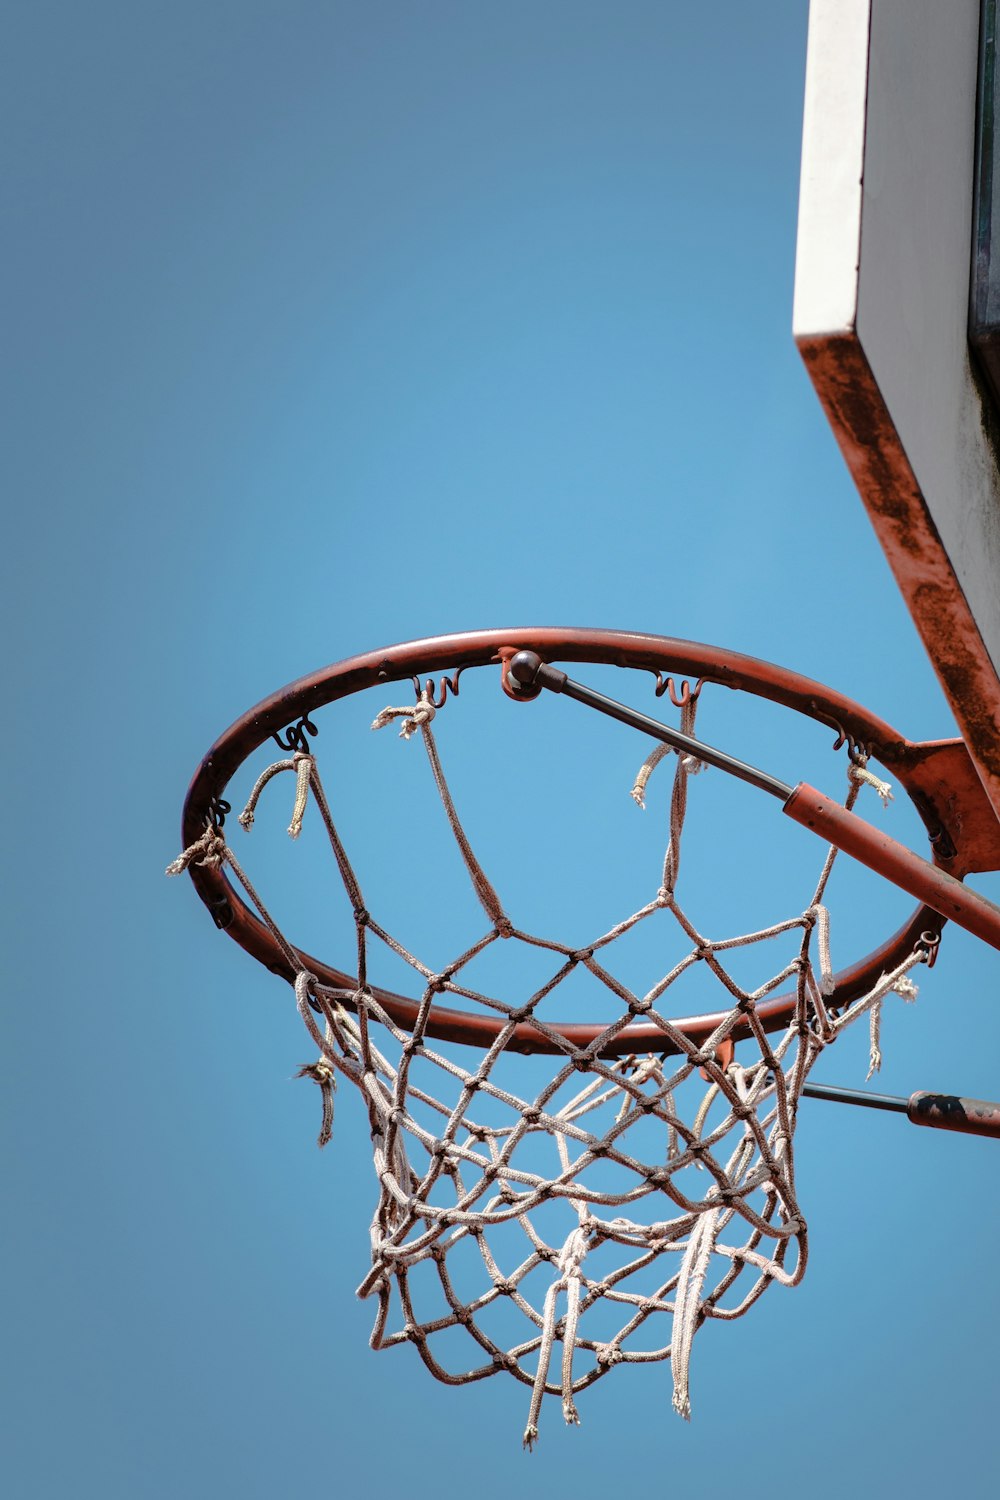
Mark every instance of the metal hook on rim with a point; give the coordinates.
(445, 686)
(687, 694)
(294, 737)
(930, 942)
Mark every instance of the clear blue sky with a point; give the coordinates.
(334, 324)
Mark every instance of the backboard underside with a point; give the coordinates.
(881, 319)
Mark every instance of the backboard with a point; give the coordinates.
(882, 312)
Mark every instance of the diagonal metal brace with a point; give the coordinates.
(930, 884)
(939, 1111)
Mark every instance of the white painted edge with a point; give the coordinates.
(833, 150)
(934, 574)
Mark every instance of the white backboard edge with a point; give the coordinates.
(881, 316)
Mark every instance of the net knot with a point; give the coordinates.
(860, 774)
(321, 1073)
(570, 1257)
(413, 718)
(209, 850)
(647, 1067)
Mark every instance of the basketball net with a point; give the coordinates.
(630, 1199)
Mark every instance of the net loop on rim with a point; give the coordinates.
(209, 849)
(626, 1201)
(413, 718)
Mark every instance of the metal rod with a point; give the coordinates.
(949, 1112)
(528, 670)
(855, 1096)
(938, 1111)
(942, 892)
(870, 846)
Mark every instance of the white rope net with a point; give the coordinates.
(628, 1200)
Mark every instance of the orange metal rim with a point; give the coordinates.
(912, 764)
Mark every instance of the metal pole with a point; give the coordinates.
(803, 803)
(528, 670)
(870, 846)
(938, 1111)
(855, 1096)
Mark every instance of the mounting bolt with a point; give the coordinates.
(523, 668)
(525, 674)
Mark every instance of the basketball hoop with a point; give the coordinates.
(648, 1184)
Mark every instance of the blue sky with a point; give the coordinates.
(331, 325)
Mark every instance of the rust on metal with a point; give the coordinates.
(950, 1112)
(929, 883)
(940, 775)
(874, 453)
